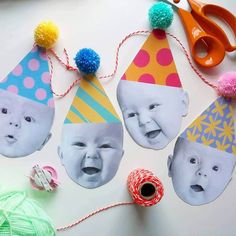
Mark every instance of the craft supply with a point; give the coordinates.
(160, 15)
(44, 178)
(87, 61)
(46, 34)
(144, 187)
(227, 84)
(22, 216)
(203, 31)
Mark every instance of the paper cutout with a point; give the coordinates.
(92, 137)
(150, 94)
(204, 156)
(26, 106)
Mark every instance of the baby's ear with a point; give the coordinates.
(169, 162)
(45, 141)
(185, 103)
(59, 152)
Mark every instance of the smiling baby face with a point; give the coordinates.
(152, 113)
(91, 152)
(25, 125)
(199, 173)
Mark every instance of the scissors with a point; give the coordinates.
(200, 29)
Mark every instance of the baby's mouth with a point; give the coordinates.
(91, 170)
(197, 188)
(10, 139)
(153, 134)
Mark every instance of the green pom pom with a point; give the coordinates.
(160, 15)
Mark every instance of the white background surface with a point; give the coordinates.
(101, 25)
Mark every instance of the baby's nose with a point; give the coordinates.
(201, 173)
(144, 118)
(15, 123)
(92, 154)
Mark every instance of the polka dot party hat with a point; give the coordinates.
(31, 78)
(214, 127)
(91, 104)
(154, 63)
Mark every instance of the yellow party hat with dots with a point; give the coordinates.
(91, 104)
(154, 63)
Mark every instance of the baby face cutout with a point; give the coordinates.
(199, 173)
(25, 125)
(91, 152)
(152, 113)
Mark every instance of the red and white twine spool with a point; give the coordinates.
(144, 187)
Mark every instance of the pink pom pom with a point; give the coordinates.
(227, 84)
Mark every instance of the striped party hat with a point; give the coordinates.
(154, 63)
(91, 104)
(31, 78)
(214, 127)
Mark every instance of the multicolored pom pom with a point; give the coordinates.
(46, 34)
(227, 84)
(161, 15)
(87, 61)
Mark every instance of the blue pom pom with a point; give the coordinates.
(160, 15)
(87, 61)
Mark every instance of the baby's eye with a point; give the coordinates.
(133, 114)
(215, 168)
(193, 160)
(29, 119)
(105, 146)
(153, 106)
(4, 110)
(79, 144)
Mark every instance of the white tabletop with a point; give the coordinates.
(101, 25)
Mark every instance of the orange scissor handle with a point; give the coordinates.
(199, 11)
(195, 34)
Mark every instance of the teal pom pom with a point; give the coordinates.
(161, 15)
(87, 61)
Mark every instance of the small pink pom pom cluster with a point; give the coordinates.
(227, 84)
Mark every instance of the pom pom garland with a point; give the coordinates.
(87, 61)
(46, 34)
(227, 84)
(160, 15)
(22, 216)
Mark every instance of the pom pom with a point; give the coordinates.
(46, 34)
(160, 15)
(227, 85)
(87, 61)
(22, 216)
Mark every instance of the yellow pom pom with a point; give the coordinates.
(46, 34)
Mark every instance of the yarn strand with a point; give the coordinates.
(111, 75)
(94, 213)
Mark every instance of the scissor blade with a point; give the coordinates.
(183, 4)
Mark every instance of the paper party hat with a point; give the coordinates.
(91, 104)
(31, 78)
(214, 127)
(154, 63)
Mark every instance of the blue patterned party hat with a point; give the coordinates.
(31, 78)
(214, 127)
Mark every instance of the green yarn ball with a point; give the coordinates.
(22, 216)
(160, 15)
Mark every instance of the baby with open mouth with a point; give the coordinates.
(91, 153)
(152, 113)
(151, 96)
(25, 125)
(205, 155)
(199, 173)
